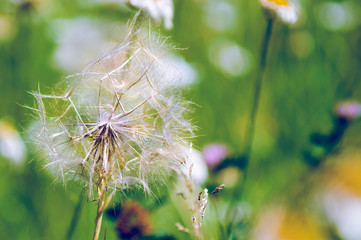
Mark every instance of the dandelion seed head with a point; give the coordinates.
(119, 120)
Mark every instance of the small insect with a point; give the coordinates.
(217, 189)
(182, 195)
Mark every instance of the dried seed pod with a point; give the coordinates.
(121, 122)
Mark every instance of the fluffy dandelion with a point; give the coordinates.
(119, 124)
(159, 10)
(284, 9)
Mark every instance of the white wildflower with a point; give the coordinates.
(159, 10)
(11, 144)
(285, 9)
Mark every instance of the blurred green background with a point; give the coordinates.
(311, 66)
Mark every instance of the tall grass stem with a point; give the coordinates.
(256, 100)
(75, 218)
(239, 189)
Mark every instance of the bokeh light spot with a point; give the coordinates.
(230, 58)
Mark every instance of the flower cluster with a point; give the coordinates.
(121, 122)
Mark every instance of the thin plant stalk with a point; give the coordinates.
(177, 18)
(75, 218)
(238, 191)
(256, 99)
(103, 203)
(99, 217)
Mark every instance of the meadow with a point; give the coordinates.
(263, 104)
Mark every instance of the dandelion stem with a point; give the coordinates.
(100, 210)
(103, 203)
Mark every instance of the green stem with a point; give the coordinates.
(238, 191)
(256, 99)
(75, 218)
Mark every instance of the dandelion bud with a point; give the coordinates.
(284, 9)
(119, 123)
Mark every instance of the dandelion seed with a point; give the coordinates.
(119, 124)
(285, 9)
